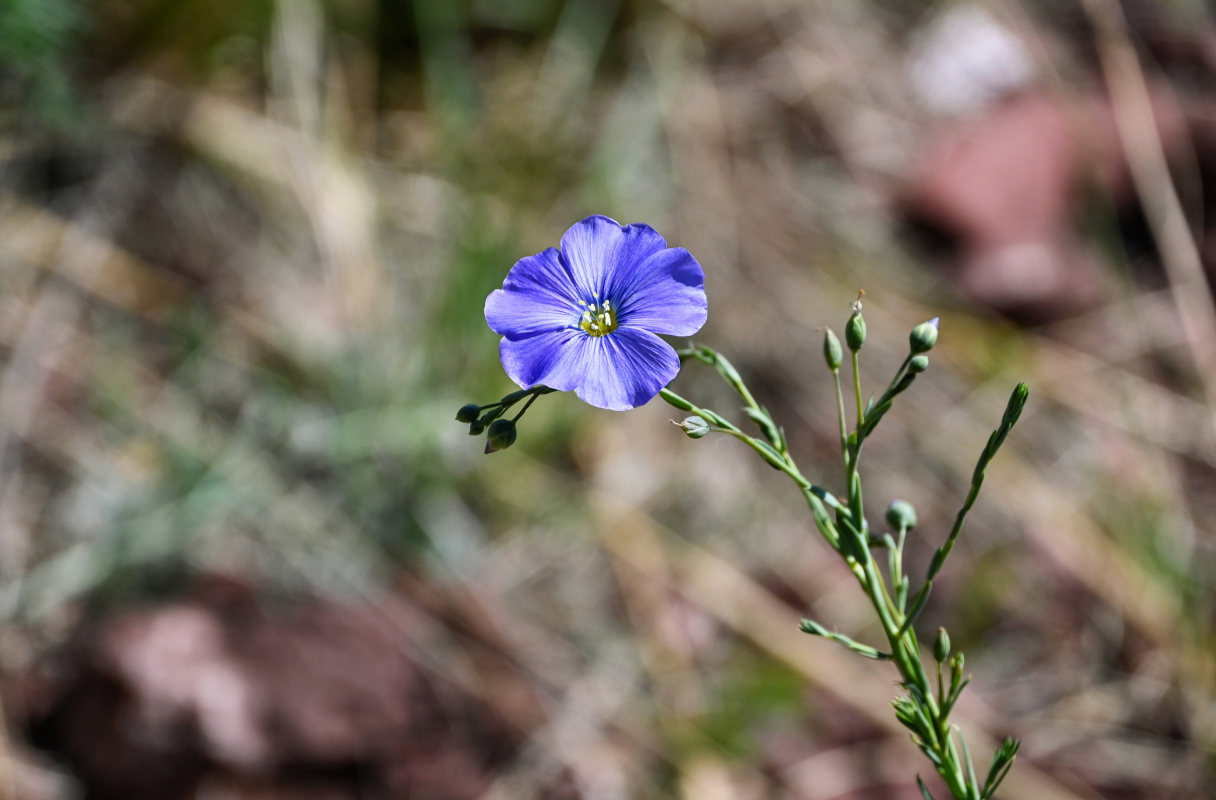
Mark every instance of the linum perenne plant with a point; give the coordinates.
(585, 319)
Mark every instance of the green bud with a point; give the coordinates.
(1017, 401)
(468, 413)
(831, 350)
(923, 336)
(500, 436)
(855, 330)
(476, 427)
(918, 364)
(694, 427)
(941, 646)
(901, 515)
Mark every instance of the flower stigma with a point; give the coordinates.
(599, 319)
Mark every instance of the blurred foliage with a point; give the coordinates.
(37, 39)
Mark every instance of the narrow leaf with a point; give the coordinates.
(765, 422)
(972, 784)
(815, 629)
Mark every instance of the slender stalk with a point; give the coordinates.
(814, 494)
(531, 400)
(899, 373)
(897, 573)
(844, 425)
(857, 390)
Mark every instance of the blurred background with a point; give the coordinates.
(246, 552)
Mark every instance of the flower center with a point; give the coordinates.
(599, 319)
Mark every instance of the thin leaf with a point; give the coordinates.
(815, 629)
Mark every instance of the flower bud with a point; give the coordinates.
(694, 427)
(468, 413)
(476, 427)
(831, 350)
(500, 435)
(941, 646)
(901, 515)
(855, 330)
(918, 364)
(923, 336)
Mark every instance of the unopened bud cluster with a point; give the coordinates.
(488, 419)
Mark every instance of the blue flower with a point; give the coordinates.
(585, 318)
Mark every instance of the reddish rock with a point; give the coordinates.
(301, 700)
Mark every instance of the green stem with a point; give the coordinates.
(905, 648)
(844, 429)
(1013, 410)
(899, 373)
(531, 400)
(857, 390)
(905, 653)
(783, 462)
(897, 573)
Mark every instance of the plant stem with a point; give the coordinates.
(925, 712)
(857, 390)
(844, 426)
(531, 400)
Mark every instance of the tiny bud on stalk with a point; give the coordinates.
(855, 331)
(694, 427)
(923, 336)
(500, 436)
(831, 350)
(918, 364)
(941, 646)
(468, 413)
(901, 515)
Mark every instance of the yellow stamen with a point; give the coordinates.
(598, 319)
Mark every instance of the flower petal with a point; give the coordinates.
(556, 359)
(664, 294)
(625, 369)
(538, 295)
(597, 247)
(622, 370)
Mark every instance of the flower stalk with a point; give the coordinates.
(926, 706)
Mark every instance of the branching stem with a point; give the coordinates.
(923, 710)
